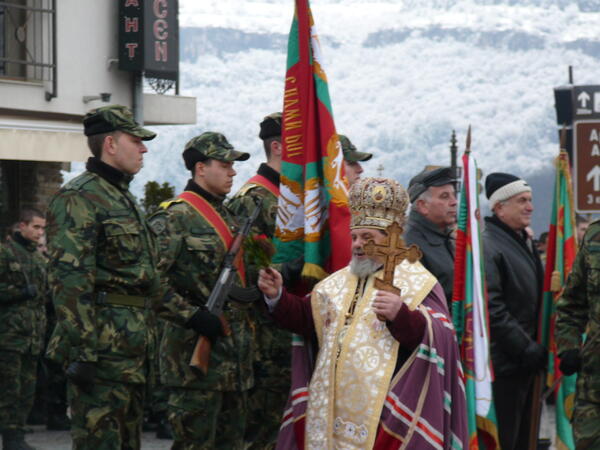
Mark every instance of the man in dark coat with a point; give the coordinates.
(514, 277)
(430, 223)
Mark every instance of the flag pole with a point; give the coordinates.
(539, 382)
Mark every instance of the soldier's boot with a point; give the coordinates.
(163, 429)
(15, 440)
(58, 422)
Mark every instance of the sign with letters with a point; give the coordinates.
(587, 165)
(149, 37)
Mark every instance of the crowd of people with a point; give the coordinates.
(377, 367)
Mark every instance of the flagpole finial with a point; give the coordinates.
(453, 151)
(468, 145)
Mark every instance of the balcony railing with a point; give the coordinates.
(28, 41)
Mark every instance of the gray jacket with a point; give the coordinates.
(437, 247)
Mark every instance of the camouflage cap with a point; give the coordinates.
(270, 126)
(350, 152)
(211, 145)
(114, 118)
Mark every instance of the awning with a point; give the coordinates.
(37, 140)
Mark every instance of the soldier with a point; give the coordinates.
(352, 160)
(266, 400)
(205, 411)
(431, 222)
(102, 274)
(22, 314)
(578, 312)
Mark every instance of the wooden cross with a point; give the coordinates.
(394, 251)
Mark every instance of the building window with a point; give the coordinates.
(27, 40)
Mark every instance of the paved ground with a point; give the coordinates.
(61, 440)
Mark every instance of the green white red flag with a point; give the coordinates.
(313, 217)
(560, 254)
(470, 315)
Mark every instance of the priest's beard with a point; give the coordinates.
(363, 267)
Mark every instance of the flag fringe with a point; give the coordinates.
(488, 427)
(314, 271)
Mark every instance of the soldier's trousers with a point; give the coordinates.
(586, 414)
(17, 388)
(109, 417)
(265, 410)
(203, 420)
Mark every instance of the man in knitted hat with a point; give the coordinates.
(102, 275)
(374, 383)
(194, 233)
(266, 400)
(514, 279)
(431, 221)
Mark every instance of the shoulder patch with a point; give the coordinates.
(158, 224)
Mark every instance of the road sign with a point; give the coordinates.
(586, 102)
(587, 166)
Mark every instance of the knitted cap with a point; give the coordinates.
(502, 186)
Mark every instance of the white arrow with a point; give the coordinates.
(595, 175)
(584, 98)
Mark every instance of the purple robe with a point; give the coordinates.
(425, 405)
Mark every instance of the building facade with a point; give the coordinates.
(59, 59)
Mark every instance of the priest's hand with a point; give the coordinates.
(386, 305)
(269, 282)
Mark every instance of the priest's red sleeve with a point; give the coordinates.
(408, 327)
(294, 313)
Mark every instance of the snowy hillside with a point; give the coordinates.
(402, 76)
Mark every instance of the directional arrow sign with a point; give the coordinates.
(583, 98)
(586, 164)
(585, 101)
(594, 175)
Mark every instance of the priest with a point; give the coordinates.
(386, 371)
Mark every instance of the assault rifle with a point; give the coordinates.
(221, 291)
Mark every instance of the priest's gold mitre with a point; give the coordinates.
(377, 203)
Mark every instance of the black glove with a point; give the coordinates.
(535, 357)
(29, 291)
(207, 324)
(82, 374)
(291, 270)
(570, 362)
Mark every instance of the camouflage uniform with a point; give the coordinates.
(205, 411)
(578, 312)
(266, 400)
(23, 325)
(102, 274)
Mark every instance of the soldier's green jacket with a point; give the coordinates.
(191, 256)
(273, 343)
(578, 312)
(23, 319)
(98, 240)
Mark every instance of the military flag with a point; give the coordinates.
(313, 217)
(560, 254)
(470, 315)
